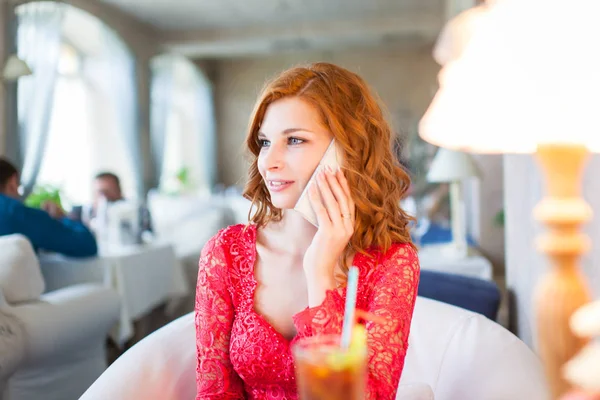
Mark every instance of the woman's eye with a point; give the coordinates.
(263, 143)
(294, 141)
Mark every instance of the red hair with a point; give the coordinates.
(350, 111)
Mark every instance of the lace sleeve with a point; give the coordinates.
(393, 298)
(324, 319)
(215, 376)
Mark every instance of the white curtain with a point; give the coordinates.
(112, 72)
(206, 114)
(38, 43)
(70, 142)
(161, 92)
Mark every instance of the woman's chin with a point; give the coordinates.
(283, 202)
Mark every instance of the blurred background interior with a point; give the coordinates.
(159, 93)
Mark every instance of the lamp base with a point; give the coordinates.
(563, 289)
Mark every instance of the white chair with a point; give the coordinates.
(464, 355)
(453, 353)
(52, 346)
(187, 222)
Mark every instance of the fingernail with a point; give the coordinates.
(329, 169)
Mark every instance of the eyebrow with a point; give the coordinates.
(289, 131)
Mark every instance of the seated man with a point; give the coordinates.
(107, 185)
(47, 229)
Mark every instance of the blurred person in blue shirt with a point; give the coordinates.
(48, 229)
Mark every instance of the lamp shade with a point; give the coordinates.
(529, 75)
(456, 34)
(451, 166)
(15, 68)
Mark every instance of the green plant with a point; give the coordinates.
(499, 218)
(183, 176)
(41, 194)
(178, 183)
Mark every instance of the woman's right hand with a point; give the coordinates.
(332, 202)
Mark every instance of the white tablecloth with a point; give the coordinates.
(475, 265)
(144, 276)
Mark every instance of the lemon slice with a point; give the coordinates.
(359, 338)
(343, 359)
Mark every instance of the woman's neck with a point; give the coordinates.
(293, 234)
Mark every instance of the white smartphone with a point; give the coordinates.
(332, 159)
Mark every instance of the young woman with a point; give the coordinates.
(264, 285)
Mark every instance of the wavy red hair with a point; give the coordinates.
(352, 114)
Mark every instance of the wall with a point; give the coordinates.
(4, 32)
(7, 89)
(405, 79)
(489, 200)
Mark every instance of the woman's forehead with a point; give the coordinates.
(291, 111)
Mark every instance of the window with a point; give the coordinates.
(92, 119)
(182, 125)
(66, 158)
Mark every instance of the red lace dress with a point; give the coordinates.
(241, 356)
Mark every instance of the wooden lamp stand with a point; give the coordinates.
(563, 289)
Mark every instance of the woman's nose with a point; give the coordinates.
(274, 158)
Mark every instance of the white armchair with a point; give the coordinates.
(52, 346)
(453, 354)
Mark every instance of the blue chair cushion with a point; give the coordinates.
(470, 293)
(438, 234)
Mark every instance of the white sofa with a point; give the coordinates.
(453, 354)
(52, 346)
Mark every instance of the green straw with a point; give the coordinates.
(350, 307)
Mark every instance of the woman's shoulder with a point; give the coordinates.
(400, 255)
(234, 239)
(232, 234)
(405, 250)
(396, 267)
